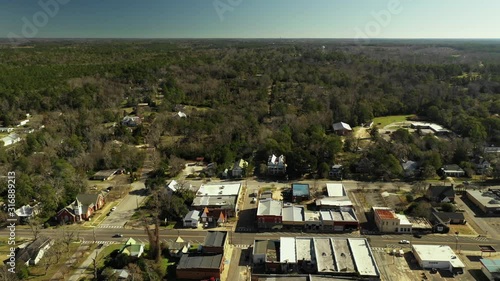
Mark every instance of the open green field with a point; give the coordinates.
(386, 120)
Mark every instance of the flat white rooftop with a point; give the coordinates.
(303, 247)
(335, 190)
(363, 258)
(287, 250)
(437, 253)
(403, 220)
(219, 189)
(334, 201)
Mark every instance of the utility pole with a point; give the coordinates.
(456, 241)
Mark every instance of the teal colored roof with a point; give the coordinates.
(491, 265)
(300, 189)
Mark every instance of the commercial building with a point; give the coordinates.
(300, 192)
(327, 257)
(487, 201)
(388, 221)
(438, 257)
(199, 267)
(335, 190)
(491, 268)
(343, 219)
(269, 214)
(223, 196)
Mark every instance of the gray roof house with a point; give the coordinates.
(191, 219)
(33, 253)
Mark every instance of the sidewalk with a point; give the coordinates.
(80, 272)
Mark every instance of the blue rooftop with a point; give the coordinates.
(491, 265)
(300, 189)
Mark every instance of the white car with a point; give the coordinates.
(404, 242)
(114, 208)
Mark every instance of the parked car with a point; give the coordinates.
(100, 246)
(114, 208)
(404, 242)
(254, 200)
(417, 235)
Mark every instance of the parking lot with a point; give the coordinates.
(403, 268)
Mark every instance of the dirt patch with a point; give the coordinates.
(369, 199)
(463, 229)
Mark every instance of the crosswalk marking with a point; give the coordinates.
(378, 249)
(110, 226)
(241, 246)
(480, 238)
(100, 242)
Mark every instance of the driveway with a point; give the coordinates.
(126, 208)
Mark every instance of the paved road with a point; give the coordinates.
(126, 208)
(106, 235)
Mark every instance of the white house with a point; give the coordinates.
(11, 139)
(34, 252)
(6, 129)
(191, 219)
(276, 165)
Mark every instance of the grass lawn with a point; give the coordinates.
(170, 140)
(37, 273)
(386, 120)
(106, 252)
(462, 229)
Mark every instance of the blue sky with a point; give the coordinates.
(251, 19)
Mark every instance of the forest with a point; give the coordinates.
(242, 99)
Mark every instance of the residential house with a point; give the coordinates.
(132, 248)
(276, 165)
(11, 139)
(104, 175)
(410, 168)
(81, 209)
(482, 166)
(492, 149)
(34, 252)
(181, 114)
(300, 192)
(442, 220)
(452, 171)
(213, 217)
(192, 219)
(336, 172)
(178, 247)
(269, 214)
(173, 186)
(121, 274)
(131, 121)
(388, 221)
(238, 169)
(342, 128)
(448, 217)
(440, 194)
(23, 122)
(27, 212)
(6, 129)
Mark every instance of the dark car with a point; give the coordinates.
(100, 246)
(417, 235)
(118, 235)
